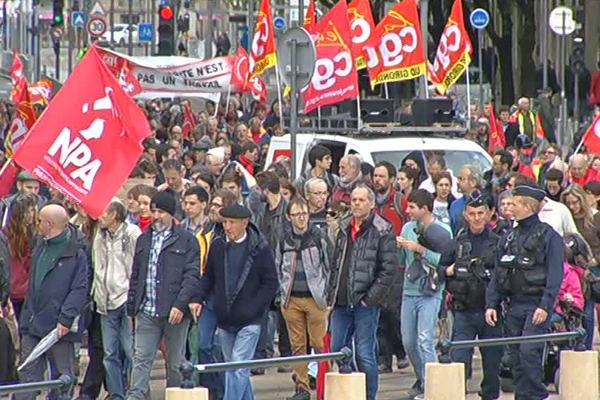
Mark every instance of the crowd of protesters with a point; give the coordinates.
(214, 256)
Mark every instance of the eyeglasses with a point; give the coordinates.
(216, 205)
(319, 193)
(299, 215)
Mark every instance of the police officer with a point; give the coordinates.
(528, 273)
(469, 263)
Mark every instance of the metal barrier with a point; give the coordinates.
(64, 383)
(344, 355)
(578, 335)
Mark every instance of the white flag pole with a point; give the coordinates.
(468, 100)
(279, 96)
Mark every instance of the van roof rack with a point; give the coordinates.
(340, 125)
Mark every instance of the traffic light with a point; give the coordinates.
(58, 13)
(578, 57)
(166, 30)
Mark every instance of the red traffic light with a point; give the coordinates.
(166, 13)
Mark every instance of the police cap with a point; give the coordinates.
(479, 199)
(533, 191)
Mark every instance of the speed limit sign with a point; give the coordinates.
(96, 26)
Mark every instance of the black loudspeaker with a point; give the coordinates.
(426, 112)
(377, 110)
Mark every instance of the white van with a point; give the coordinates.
(390, 145)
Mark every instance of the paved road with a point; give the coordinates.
(276, 386)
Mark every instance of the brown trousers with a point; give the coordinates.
(302, 315)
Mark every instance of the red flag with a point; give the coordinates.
(335, 79)
(25, 116)
(128, 82)
(453, 53)
(591, 138)
(41, 92)
(18, 78)
(323, 368)
(262, 51)
(497, 137)
(360, 18)
(88, 141)
(310, 19)
(189, 122)
(241, 80)
(398, 54)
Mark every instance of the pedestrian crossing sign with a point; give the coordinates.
(78, 19)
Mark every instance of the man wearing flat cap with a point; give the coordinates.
(27, 185)
(529, 273)
(241, 273)
(165, 273)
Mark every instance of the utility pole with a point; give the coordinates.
(129, 19)
(112, 24)
(544, 47)
(211, 31)
(424, 12)
(250, 23)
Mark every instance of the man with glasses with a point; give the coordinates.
(552, 160)
(316, 193)
(303, 259)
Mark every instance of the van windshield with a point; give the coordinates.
(455, 159)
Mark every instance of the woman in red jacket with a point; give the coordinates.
(16, 242)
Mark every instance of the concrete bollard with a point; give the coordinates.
(445, 381)
(345, 386)
(198, 393)
(578, 375)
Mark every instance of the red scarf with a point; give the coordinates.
(247, 164)
(144, 223)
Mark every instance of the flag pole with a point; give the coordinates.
(387, 91)
(319, 117)
(227, 101)
(279, 96)
(358, 118)
(468, 100)
(5, 166)
(579, 146)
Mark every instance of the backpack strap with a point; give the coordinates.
(398, 205)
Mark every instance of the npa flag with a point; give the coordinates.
(189, 122)
(311, 16)
(591, 138)
(335, 78)
(453, 53)
(88, 141)
(360, 18)
(398, 55)
(262, 49)
(497, 137)
(241, 80)
(41, 92)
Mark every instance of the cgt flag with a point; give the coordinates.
(591, 138)
(310, 19)
(399, 54)
(360, 18)
(335, 78)
(262, 51)
(25, 116)
(453, 53)
(88, 141)
(242, 82)
(497, 137)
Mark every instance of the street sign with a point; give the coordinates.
(294, 14)
(279, 23)
(306, 56)
(78, 19)
(479, 18)
(98, 9)
(96, 26)
(561, 21)
(145, 33)
(57, 33)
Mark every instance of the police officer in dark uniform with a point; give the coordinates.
(469, 262)
(528, 274)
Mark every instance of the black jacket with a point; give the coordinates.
(177, 272)
(373, 262)
(255, 289)
(62, 295)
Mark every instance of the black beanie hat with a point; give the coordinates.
(164, 201)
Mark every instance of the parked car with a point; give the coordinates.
(121, 35)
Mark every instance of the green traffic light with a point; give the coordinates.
(58, 20)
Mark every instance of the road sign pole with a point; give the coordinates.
(480, 52)
(294, 112)
(112, 24)
(70, 33)
(130, 12)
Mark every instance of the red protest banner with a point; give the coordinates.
(88, 141)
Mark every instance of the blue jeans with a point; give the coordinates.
(589, 309)
(360, 323)
(207, 327)
(418, 318)
(239, 346)
(116, 340)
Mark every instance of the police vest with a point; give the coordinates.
(523, 266)
(471, 273)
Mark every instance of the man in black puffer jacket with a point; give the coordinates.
(366, 258)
